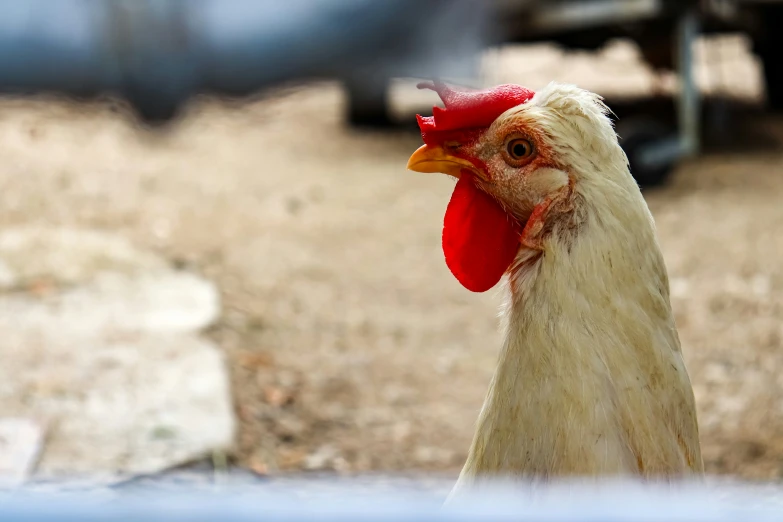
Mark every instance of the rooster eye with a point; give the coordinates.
(519, 149)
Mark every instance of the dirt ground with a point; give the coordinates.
(351, 346)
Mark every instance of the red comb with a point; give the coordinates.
(467, 109)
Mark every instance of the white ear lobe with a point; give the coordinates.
(544, 181)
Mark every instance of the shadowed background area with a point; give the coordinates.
(260, 281)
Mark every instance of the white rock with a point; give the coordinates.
(7, 277)
(162, 301)
(110, 358)
(134, 404)
(431, 455)
(761, 285)
(322, 458)
(680, 287)
(70, 256)
(20, 444)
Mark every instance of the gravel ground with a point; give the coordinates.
(352, 348)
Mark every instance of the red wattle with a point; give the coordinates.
(480, 240)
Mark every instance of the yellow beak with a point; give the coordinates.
(434, 158)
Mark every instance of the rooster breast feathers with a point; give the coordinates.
(593, 312)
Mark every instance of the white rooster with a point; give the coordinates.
(590, 380)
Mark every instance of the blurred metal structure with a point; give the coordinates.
(158, 53)
(687, 141)
(300, 502)
(665, 31)
(762, 19)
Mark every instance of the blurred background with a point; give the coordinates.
(212, 255)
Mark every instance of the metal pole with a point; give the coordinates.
(686, 143)
(688, 100)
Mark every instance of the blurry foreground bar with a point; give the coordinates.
(323, 501)
(158, 53)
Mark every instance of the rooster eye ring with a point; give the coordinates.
(519, 151)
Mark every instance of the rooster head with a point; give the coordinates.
(517, 156)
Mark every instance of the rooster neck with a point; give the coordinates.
(590, 379)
